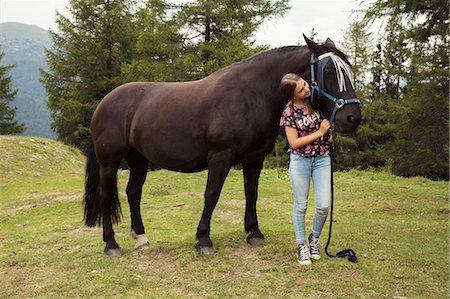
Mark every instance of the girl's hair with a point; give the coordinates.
(287, 87)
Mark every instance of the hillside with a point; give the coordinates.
(23, 46)
(33, 157)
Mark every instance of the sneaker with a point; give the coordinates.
(314, 247)
(303, 255)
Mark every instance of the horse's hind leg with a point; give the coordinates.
(138, 173)
(110, 206)
(251, 177)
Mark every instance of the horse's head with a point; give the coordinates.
(332, 87)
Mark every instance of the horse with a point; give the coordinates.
(229, 117)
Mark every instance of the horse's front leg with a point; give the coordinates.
(251, 177)
(218, 167)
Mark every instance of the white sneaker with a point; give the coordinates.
(303, 255)
(314, 247)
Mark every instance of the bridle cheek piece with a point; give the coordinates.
(318, 88)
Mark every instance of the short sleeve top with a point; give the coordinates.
(305, 124)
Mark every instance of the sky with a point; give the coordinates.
(329, 19)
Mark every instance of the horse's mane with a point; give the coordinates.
(285, 49)
(269, 52)
(258, 56)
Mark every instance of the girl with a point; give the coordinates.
(309, 142)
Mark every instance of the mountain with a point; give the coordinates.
(24, 46)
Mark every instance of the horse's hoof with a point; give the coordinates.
(113, 252)
(141, 241)
(205, 250)
(144, 246)
(256, 242)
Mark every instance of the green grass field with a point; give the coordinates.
(398, 227)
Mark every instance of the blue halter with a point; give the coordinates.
(319, 88)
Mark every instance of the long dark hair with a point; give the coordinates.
(287, 87)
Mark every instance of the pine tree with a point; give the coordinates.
(417, 84)
(8, 126)
(219, 33)
(85, 63)
(159, 46)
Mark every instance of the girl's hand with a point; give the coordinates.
(324, 127)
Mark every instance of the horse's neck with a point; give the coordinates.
(263, 75)
(282, 63)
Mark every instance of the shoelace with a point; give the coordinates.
(314, 245)
(303, 252)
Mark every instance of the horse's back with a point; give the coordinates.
(163, 121)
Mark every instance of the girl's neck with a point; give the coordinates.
(299, 103)
(302, 103)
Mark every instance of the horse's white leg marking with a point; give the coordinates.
(141, 240)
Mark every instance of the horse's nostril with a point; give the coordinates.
(350, 118)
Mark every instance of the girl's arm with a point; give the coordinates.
(297, 142)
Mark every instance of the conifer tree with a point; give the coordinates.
(219, 33)
(417, 85)
(159, 47)
(358, 46)
(312, 34)
(8, 125)
(353, 151)
(85, 63)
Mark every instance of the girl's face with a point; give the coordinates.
(301, 90)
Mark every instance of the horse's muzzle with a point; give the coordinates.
(348, 123)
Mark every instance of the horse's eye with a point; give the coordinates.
(328, 73)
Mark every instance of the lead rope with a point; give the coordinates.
(346, 252)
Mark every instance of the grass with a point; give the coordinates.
(397, 226)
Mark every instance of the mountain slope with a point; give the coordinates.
(23, 46)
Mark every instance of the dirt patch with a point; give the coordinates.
(66, 197)
(165, 186)
(228, 216)
(238, 203)
(45, 202)
(156, 259)
(271, 201)
(234, 202)
(82, 231)
(190, 194)
(34, 283)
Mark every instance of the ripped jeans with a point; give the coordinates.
(301, 170)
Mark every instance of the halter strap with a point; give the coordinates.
(319, 87)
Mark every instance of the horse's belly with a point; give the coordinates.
(184, 164)
(183, 155)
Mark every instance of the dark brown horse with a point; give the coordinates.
(230, 117)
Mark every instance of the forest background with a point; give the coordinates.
(401, 75)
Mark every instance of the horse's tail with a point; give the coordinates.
(92, 210)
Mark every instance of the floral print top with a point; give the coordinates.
(305, 124)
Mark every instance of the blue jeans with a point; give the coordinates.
(301, 170)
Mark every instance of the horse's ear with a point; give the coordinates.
(330, 43)
(313, 47)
